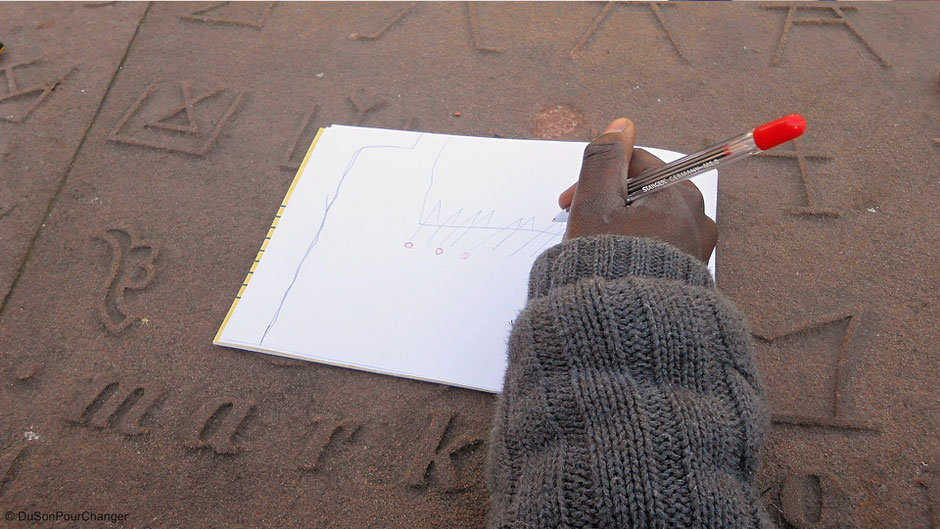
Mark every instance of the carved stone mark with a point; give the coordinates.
(119, 404)
(26, 371)
(838, 418)
(204, 141)
(839, 19)
(192, 127)
(810, 194)
(654, 8)
(929, 480)
(128, 271)
(434, 454)
(813, 500)
(378, 33)
(362, 104)
(215, 425)
(328, 429)
(211, 14)
(6, 209)
(365, 103)
(290, 160)
(9, 465)
(410, 124)
(473, 26)
(38, 93)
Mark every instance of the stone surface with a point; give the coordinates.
(829, 246)
(58, 63)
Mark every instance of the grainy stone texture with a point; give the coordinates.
(58, 63)
(113, 399)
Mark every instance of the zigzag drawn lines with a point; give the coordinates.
(481, 220)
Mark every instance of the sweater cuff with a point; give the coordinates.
(613, 257)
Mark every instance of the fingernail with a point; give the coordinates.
(616, 126)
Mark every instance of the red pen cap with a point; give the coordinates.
(781, 130)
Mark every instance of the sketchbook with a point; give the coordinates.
(408, 253)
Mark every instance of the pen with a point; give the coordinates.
(754, 141)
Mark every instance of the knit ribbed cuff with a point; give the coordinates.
(613, 257)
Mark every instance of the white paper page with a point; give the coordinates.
(409, 253)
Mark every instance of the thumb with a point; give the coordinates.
(602, 185)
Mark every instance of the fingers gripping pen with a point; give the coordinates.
(759, 139)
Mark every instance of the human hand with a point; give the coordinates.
(675, 215)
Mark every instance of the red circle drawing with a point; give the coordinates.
(439, 251)
(409, 244)
(464, 255)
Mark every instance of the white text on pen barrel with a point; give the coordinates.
(678, 176)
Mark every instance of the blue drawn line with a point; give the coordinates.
(530, 220)
(329, 206)
(431, 184)
(488, 217)
(519, 223)
(437, 209)
(439, 226)
(546, 243)
(469, 226)
(473, 223)
(536, 236)
(474, 220)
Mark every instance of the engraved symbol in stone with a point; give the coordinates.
(410, 124)
(249, 14)
(838, 20)
(472, 23)
(362, 103)
(206, 115)
(119, 404)
(330, 432)
(810, 194)
(9, 465)
(216, 424)
(6, 209)
(27, 371)
(653, 6)
(293, 158)
(18, 103)
(813, 500)
(132, 269)
(929, 481)
(839, 417)
(435, 455)
(192, 125)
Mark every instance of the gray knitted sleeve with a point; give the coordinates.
(630, 401)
